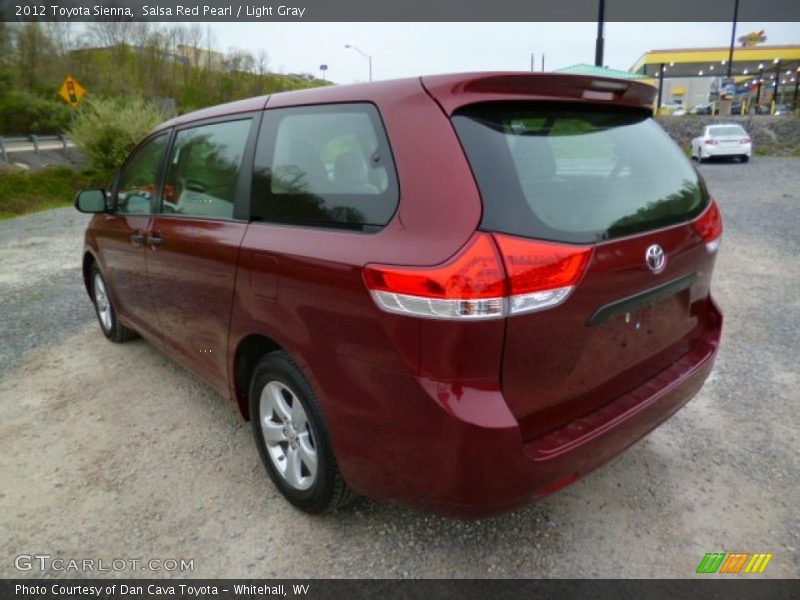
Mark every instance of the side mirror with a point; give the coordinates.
(91, 201)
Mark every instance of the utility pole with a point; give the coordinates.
(660, 86)
(777, 83)
(598, 49)
(733, 37)
(758, 89)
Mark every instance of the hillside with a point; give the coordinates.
(177, 67)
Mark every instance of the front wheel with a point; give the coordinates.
(106, 313)
(291, 437)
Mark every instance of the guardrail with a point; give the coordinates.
(25, 143)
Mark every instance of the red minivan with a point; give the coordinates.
(457, 291)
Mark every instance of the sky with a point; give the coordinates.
(411, 49)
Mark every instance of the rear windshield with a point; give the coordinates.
(576, 174)
(726, 130)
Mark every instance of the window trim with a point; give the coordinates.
(169, 133)
(269, 128)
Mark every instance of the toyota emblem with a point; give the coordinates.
(656, 258)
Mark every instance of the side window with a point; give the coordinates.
(204, 169)
(138, 183)
(327, 166)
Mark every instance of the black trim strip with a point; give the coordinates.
(641, 300)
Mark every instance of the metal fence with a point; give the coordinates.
(35, 143)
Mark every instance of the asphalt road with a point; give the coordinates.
(112, 451)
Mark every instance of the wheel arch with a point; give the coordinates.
(89, 260)
(249, 351)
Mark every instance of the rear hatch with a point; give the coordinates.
(604, 182)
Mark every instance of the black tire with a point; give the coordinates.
(328, 492)
(745, 158)
(112, 328)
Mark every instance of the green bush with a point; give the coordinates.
(106, 130)
(22, 113)
(22, 192)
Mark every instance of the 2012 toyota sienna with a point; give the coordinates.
(461, 291)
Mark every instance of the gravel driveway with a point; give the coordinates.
(112, 451)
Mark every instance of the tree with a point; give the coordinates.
(34, 48)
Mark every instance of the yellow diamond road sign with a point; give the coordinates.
(72, 92)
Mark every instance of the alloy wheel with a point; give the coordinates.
(287, 435)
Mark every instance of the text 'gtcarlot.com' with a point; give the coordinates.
(46, 562)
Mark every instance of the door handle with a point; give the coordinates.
(154, 240)
(137, 238)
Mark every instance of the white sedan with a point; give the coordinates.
(727, 140)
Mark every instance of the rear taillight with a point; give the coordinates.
(711, 142)
(540, 274)
(491, 277)
(709, 226)
(744, 140)
(471, 285)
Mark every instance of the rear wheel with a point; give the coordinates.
(745, 158)
(106, 313)
(292, 439)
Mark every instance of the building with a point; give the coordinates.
(692, 76)
(202, 58)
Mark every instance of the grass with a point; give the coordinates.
(23, 192)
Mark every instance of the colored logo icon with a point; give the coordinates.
(734, 562)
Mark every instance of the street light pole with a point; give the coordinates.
(365, 55)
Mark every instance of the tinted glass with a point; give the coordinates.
(576, 174)
(138, 182)
(204, 169)
(726, 130)
(324, 165)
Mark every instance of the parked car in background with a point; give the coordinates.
(674, 109)
(783, 110)
(722, 140)
(459, 291)
(703, 109)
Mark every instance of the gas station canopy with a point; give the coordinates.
(712, 62)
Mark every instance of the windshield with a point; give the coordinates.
(726, 131)
(576, 174)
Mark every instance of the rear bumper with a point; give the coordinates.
(709, 151)
(455, 448)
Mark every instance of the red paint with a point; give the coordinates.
(468, 418)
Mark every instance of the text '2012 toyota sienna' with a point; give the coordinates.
(460, 291)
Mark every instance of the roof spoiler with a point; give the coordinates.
(455, 91)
